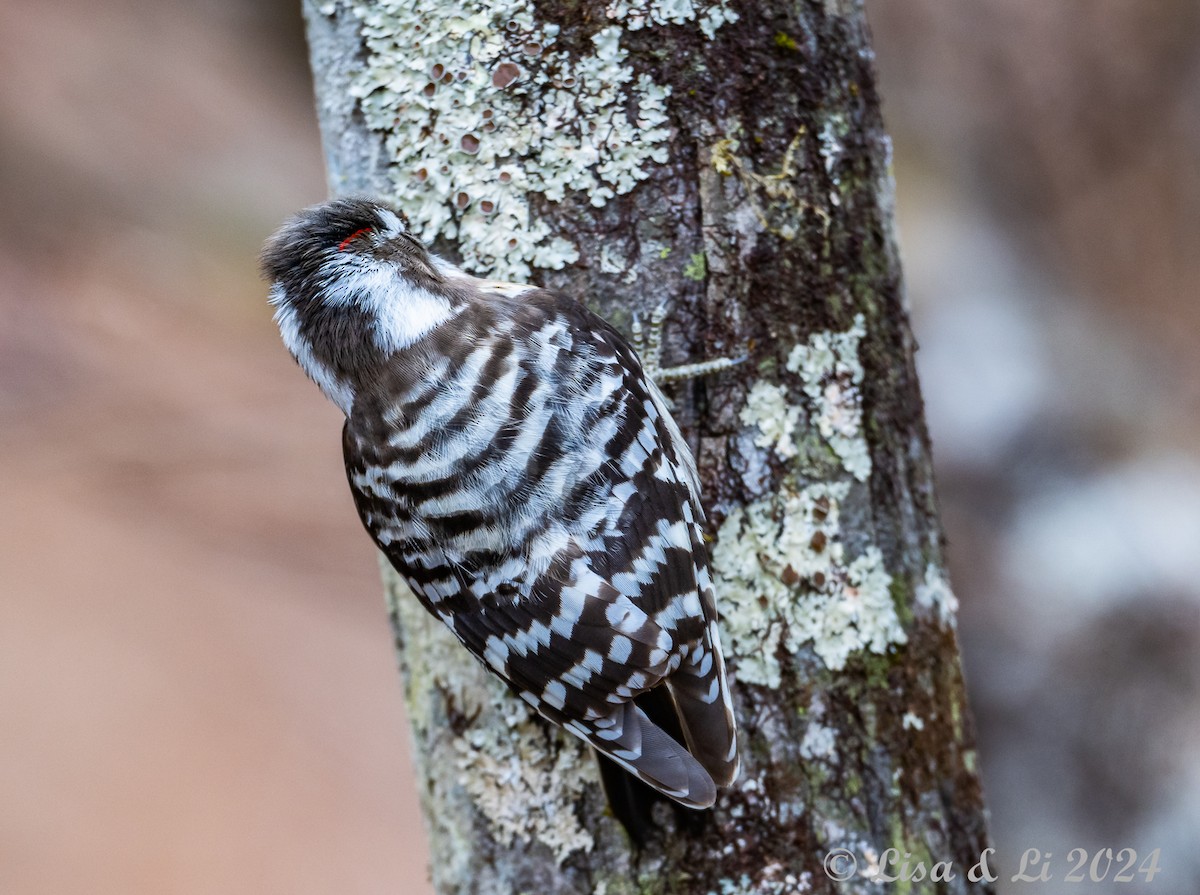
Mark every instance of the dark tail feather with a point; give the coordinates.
(701, 696)
(632, 801)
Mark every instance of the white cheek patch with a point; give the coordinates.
(402, 312)
(335, 390)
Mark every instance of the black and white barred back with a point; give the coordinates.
(512, 460)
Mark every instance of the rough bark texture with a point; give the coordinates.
(759, 209)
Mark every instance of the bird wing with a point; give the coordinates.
(654, 553)
(612, 597)
(580, 652)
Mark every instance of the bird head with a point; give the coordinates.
(351, 286)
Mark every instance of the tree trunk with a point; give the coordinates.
(728, 159)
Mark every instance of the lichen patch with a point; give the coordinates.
(482, 110)
(832, 375)
(935, 595)
(773, 879)
(637, 14)
(832, 149)
(786, 582)
(912, 721)
(819, 742)
(525, 791)
(768, 410)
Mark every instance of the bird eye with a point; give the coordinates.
(345, 243)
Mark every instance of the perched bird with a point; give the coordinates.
(516, 465)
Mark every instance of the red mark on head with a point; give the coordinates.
(353, 236)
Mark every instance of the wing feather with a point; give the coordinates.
(624, 602)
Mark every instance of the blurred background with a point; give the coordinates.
(197, 685)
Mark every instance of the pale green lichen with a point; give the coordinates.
(637, 14)
(768, 410)
(819, 741)
(786, 582)
(934, 594)
(772, 880)
(613, 261)
(781, 562)
(482, 111)
(525, 791)
(832, 149)
(832, 375)
(911, 721)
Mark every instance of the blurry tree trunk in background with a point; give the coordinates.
(730, 160)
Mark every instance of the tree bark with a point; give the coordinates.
(729, 159)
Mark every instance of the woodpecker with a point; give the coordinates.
(512, 459)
